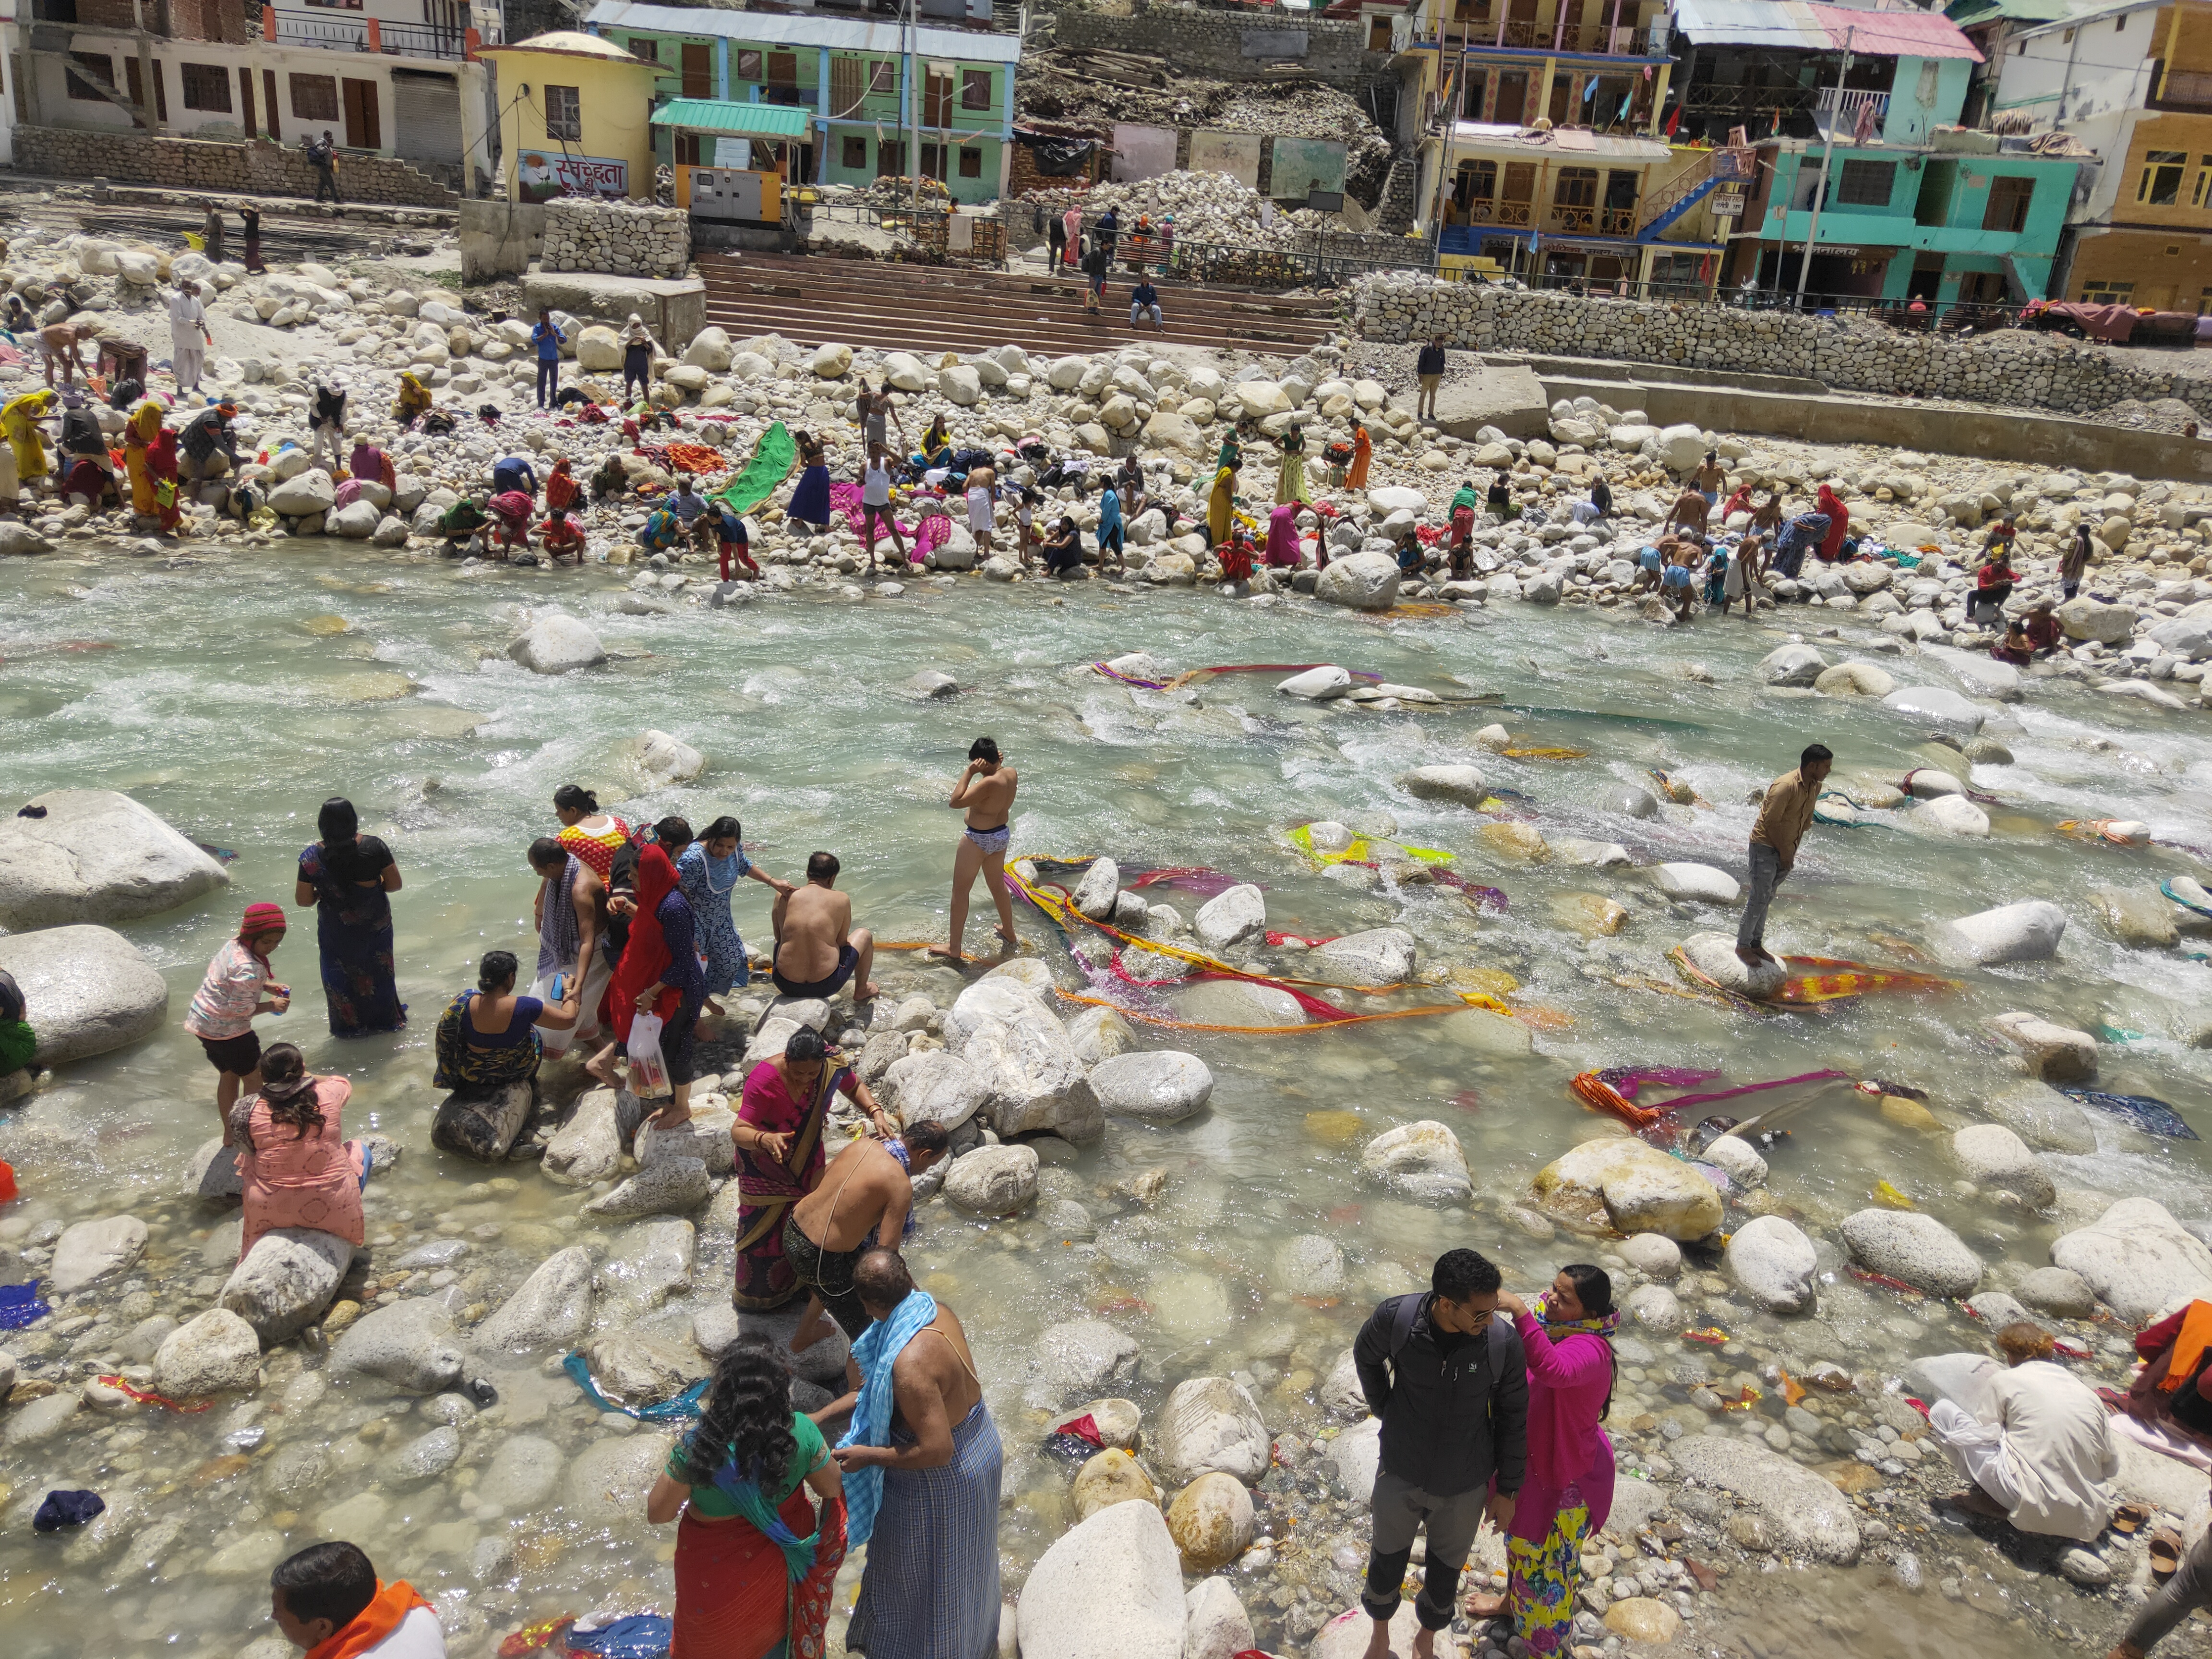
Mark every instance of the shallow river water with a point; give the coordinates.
(220, 695)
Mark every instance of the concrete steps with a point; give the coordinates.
(926, 307)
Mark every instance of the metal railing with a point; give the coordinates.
(1525, 34)
(2183, 89)
(316, 28)
(423, 40)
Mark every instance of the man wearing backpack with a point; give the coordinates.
(1451, 1387)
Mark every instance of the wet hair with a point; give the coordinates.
(823, 866)
(1814, 754)
(574, 798)
(498, 967)
(325, 1581)
(805, 1046)
(1463, 1274)
(882, 1279)
(674, 835)
(927, 1137)
(337, 821)
(546, 850)
(725, 828)
(1593, 1288)
(2021, 1340)
(287, 1091)
(744, 1419)
(984, 749)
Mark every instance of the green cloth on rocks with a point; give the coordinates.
(764, 474)
(17, 1045)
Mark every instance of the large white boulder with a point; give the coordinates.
(1774, 1265)
(1209, 1424)
(215, 1353)
(1619, 1180)
(1701, 884)
(88, 1251)
(2085, 618)
(1234, 916)
(1810, 1517)
(1423, 1159)
(993, 1180)
(1322, 684)
(96, 855)
(1915, 1248)
(1022, 1052)
(959, 385)
(2055, 1052)
(1682, 448)
(1110, 1587)
(286, 1280)
(598, 349)
(1152, 1086)
(1079, 1359)
(1215, 1623)
(1714, 956)
(936, 1087)
(2140, 1261)
(550, 1309)
(709, 349)
(557, 643)
(1376, 957)
(2027, 931)
(830, 362)
(1996, 1159)
(408, 1343)
(1937, 704)
(1359, 581)
(86, 990)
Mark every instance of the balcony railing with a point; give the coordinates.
(2181, 90)
(315, 28)
(1489, 211)
(1523, 34)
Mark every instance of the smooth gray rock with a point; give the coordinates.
(96, 856)
(2138, 1260)
(1231, 917)
(1079, 1359)
(424, 1458)
(1378, 957)
(2028, 932)
(1108, 1588)
(86, 990)
(557, 643)
(607, 1481)
(1021, 1050)
(1309, 1265)
(90, 1250)
(587, 1149)
(408, 1343)
(2044, 1118)
(1810, 1517)
(522, 1474)
(550, 1309)
(1423, 1159)
(670, 1186)
(1209, 1424)
(214, 1352)
(1152, 1086)
(994, 1180)
(1995, 1158)
(1915, 1248)
(934, 1087)
(1775, 1265)
(286, 1280)
(474, 1124)
(2057, 1292)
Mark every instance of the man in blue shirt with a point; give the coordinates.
(1144, 298)
(513, 473)
(1430, 367)
(548, 338)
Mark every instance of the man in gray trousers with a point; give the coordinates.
(1451, 1386)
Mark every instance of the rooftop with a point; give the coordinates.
(1803, 26)
(1561, 141)
(886, 36)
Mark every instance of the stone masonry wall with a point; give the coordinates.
(1213, 43)
(2011, 368)
(616, 238)
(197, 164)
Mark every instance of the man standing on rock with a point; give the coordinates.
(1451, 1387)
(189, 337)
(865, 1194)
(1430, 367)
(922, 1463)
(1784, 816)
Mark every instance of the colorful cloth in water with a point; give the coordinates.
(931, 1589)
(461, 1066)
(707, 884)
(353, 930)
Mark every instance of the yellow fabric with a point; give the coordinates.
(1302, 838)
(414, 399)
(1220, 504)
(145, 426)
(19, 424)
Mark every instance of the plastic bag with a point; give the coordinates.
(648, 1072)
(547, 990)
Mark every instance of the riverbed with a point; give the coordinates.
(231, 692)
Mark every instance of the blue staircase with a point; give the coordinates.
(1681, 204)
(1458, 239)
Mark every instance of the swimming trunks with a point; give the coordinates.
(847, 959)
(991, 841)
(1649, 558)
(829, 1275)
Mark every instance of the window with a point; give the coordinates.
(2008, 204)
(1866, 184)
(2204, 303)
(698, 70)
(971, 161)
(102, 66)
(846, 79)
(2201, 194)
(641, 46)
(975, 88)
(564, 114)
(315, 97)
(207, 86)
(749, 64)
(937, 98)
(2099, 292)
(933, 161)
(882, 78)
(1577, 187)
(689, 150)
(890, 159)
(783, 69)
(2160, 184)
(852, 154)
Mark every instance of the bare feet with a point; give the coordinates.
(1007, 934)
(1486, 1604)
(1379, 1645)
(670, 1117)
(867, 993)
(946, 955)
(1425, 1644)
(714, 1008)
(1975, 1501)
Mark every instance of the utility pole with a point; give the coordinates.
(1820, 192)
(913, 111)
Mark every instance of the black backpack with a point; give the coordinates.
(1408, 1309)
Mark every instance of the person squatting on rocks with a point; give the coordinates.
(818, 948)
(866, 1192)
(1449, 1382)
(1784, 815)
(2039, 1450)
(329, 1602)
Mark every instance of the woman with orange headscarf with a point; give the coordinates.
(660, 972)
(561, 489)
(1839, 521)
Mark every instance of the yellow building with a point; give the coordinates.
(577, 118)
(2133, 82)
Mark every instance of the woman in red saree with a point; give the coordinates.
(780, 1160)
(1839, 523)
(645, 954)
(161, 462)
(755, 1567)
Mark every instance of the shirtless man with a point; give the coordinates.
(818, 948)
(933, 1554)
(986, 789)
(864, 1196)
(1710, 479)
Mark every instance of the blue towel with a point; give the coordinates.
(19, 1306)
(684, 1405)
(878, 1348)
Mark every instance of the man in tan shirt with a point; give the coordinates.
(1783, 819)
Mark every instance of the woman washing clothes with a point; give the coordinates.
(1283, 551)
(1840, 524)
(708, 871)
(349, 879)
(1568, 1490)
(810, 501)
(1221, 506)
(986, 793)
(298, 1168)
(487, 1038)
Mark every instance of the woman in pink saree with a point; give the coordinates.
(780, 1160)
(299, 1169)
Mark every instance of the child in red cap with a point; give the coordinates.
(232, 992)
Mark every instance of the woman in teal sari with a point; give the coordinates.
(755, 1564)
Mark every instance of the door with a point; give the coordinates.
(1563, 99)
(1619, 216)
(1510, 108)
(698, 70)
(1521, 27)
(245, 115)
(1520, 189)
(364, 131)
(269, 102)
(426, 115)
(937, 98)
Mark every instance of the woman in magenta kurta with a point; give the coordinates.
(1568, 1492)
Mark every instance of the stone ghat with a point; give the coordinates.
(2011, 368)
(616, 238)
(255, 169)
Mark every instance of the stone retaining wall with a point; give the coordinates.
(197, 164)
(618, 238)
(2012, 367)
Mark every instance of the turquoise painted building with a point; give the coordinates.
(849, 78)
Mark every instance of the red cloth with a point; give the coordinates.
(734, 1597)
(1993, 575)
(1839, 523)
(646, 956)
(562, 490)
(373, 1624)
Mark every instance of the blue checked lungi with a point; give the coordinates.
(931, 1588)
